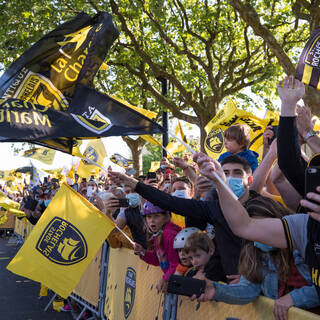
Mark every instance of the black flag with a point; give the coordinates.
(48, 72)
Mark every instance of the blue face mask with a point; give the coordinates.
(263, 247)
(46, 202)
(236, 185)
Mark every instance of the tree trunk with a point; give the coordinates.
(136, 147)
(312, 100)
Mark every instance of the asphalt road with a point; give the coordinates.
(19, 296)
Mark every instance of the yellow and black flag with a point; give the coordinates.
(308, 70)
(25, 121)
(44, 155)
(62, 244)
(47, 73)
(121, 161)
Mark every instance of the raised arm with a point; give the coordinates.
(269, 231)
(289, 152)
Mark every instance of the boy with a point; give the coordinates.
(200, 249)
(236, 141)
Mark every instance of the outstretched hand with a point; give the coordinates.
(118, 178)
(209, 166)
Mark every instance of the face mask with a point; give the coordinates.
(46, 202)
(166, 186)
(90, 191)
(180, 194)
(162, 166)
(264, 247)
(236, 185)
(134, 199)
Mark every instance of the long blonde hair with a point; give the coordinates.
(250, 261)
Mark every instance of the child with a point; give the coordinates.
(163, 234)
(236, 141)
(200, 248)
(178, 244)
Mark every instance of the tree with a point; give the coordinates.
(303, 11)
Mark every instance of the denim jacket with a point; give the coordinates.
(245, 291)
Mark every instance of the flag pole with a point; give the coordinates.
(105, 170)
(226, 187)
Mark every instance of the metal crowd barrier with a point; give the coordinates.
(123, 287)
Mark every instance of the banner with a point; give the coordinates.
(131, 283)
(44, 155)
(308, 69)
(47, 73)
(62, 244)
(229, 115)
(96, 152)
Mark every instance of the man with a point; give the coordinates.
(228, 245)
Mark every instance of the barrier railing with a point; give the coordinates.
(118, 285)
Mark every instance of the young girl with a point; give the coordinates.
(163, 233)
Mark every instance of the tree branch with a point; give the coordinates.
(250, 16)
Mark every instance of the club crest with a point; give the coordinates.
(62, 243)
(215, 141)
(129, 291)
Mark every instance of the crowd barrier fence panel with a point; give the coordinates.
(10, 223)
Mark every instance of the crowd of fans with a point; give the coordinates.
(266, 242)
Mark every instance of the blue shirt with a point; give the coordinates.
(249, 155)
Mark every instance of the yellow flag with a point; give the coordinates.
(10, 205)
(121, 161)
(72, 172)
(176, 146)
(155, 165)
(96, 152)
(6, 174)
(229, 115)
(63, 242)
(44, 155)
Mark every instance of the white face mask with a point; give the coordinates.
(90, 191)
(180, 194)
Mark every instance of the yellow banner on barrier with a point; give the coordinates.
(131, 294)
(131, 288)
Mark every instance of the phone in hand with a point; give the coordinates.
(312, 180)
(123, 202)
(185, 286)
(275, 131)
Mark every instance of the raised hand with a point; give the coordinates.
(291, 90)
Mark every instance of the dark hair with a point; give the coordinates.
(250, 265)
(236, 159)
(198, 240)
(239, 133)
(184, 179)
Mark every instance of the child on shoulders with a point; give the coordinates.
(236, 141)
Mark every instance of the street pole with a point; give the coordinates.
(165, 136)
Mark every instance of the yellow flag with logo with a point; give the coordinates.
(96, 152)
(44, 155)
(226, 117)
(63, 242)
(154, 166)
(175, 146)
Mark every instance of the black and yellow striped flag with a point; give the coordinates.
(308, 70)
